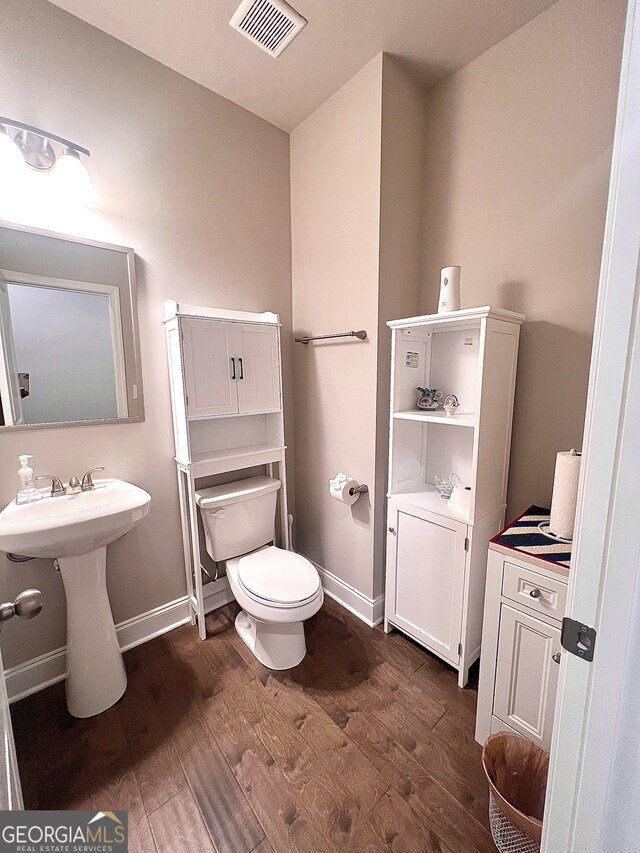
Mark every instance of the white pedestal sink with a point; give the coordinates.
(75, 530)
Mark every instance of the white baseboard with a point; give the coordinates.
(216, 594)
(36, 674)
(369, 610)
(41, 672)
(153, 623)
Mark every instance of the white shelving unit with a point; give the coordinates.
(436, 557)
(226, 393)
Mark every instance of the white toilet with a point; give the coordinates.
(277, 589)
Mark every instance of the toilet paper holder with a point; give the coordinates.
(360, 490)
(346, 489)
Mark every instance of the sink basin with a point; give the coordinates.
(75, 530)
(74, 524)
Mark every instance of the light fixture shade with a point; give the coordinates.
(73, 179)
(12, 165)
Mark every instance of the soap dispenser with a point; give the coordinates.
(27, 491)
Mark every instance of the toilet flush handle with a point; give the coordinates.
(219, 513)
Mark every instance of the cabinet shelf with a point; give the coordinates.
(462, 419)
(429, 499)
(228, 415)
(219, 461)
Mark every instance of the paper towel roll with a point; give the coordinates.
(340, 487)
(565, 494)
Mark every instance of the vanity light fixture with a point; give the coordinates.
(9, 151)
(12, 165)
(42, 151)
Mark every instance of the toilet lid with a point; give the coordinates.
(278, 576)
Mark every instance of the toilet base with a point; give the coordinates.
(276, 645)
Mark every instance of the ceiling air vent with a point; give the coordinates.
(271, 24)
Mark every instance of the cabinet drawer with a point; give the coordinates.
(537, 592)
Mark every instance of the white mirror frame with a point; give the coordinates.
(113, 292)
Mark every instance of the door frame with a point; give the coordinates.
(596, 740)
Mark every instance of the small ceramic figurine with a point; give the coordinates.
(429, 398)
(451, 404)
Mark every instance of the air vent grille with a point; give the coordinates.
(271, 24)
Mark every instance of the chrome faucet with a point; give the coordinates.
(57, 486)
(87, 484)
(58, 489)
(73, 486)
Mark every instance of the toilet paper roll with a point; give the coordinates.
(340, 487)
(565, 494)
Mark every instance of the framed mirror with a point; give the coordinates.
(69, 345)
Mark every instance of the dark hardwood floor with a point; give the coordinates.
(366, 746)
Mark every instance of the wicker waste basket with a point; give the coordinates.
(517, 773)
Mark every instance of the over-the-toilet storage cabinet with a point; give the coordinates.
(436, 557)
(230, 367)
(226, 396)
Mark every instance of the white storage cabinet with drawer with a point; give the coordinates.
(524, 607)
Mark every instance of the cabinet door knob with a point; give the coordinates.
(535, 592)
(392, 530)
(556, 658)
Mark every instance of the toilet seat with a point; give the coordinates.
(278, 578)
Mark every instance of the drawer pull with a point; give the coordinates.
(535, 592)
(556, 658)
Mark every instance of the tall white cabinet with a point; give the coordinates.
(226, 395)
(437, 556)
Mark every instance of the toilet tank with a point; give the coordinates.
(238, 517)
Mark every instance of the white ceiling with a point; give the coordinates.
(432, 38)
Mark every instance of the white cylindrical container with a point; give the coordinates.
(460, 500)
(565, 494)
(341, 488)
(449, 299)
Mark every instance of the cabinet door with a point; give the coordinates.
(208, 347)
(427, 580)
(526, 674)
(258, 368)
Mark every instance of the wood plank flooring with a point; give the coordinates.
(367, 745)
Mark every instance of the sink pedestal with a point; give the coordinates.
(97, 677)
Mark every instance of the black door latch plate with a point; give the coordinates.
(578, 638)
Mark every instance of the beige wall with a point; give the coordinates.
(401, 181)
(356, 178)
(335, 222)
(518, 151)
(200, 188)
